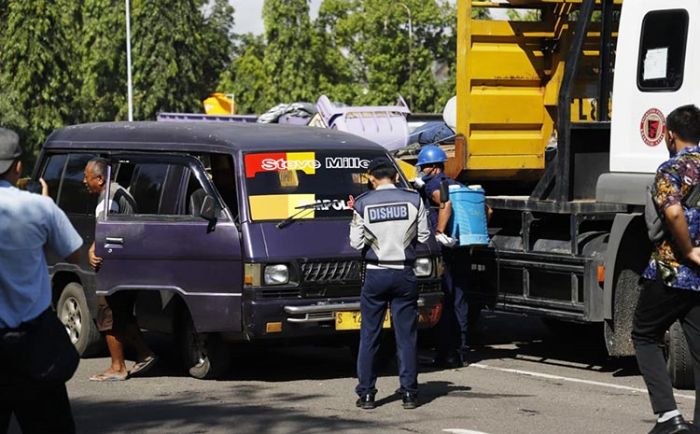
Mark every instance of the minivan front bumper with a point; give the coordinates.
(316, 317)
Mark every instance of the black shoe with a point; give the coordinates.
(674, 425)
(366, 401)
(410, 400)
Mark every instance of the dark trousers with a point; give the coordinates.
(397, 289)
(658, 308)
(453, 325)
(40, 408)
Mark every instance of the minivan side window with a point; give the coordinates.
(662, 49)
(52, 174)
(74, 197)
(157, 188)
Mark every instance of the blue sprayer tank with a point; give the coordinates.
(468, 222)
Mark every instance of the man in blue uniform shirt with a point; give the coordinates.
(28, 223)
(386, 224)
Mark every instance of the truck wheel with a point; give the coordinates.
(679, 361)
(205, 355)
(72, 309)
(618, 332)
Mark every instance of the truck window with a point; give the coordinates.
(74, 197)
(279, 182)
(662, 49)
(53, 172)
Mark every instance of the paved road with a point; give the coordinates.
(522, 379)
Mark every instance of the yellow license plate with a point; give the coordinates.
(352, 320)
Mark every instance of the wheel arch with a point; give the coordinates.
(62, 275)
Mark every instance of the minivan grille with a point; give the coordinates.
(331, 271)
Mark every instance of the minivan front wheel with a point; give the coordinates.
(72, 309)
(205, 355)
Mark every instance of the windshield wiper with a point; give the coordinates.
(302, 208)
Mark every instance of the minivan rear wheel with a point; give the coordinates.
(72, 309)
(204, 355)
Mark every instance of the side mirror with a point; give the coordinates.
(209, 211)
(444, 192)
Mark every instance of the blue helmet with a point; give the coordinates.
(431, 154)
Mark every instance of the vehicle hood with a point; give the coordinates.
(306, 240)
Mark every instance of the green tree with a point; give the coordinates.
(103, 67)
(524, 15)
(39, 74)
(245, 77)
(337, 68)
(289, 61)
(373, 37)
(167, 57)
(218, 43)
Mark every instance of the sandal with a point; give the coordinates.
(143, 366)
(108, 377)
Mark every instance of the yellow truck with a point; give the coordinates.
(561, 120)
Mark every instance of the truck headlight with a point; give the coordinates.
(276, 274)
(423, 267)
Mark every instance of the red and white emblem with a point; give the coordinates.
(653, 127)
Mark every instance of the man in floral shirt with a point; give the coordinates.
(671, 284)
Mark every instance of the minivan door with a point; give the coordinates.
(166, 245)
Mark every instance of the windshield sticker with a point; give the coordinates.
(346, 163)
(279, 161)
(281, 206)
(303, 161)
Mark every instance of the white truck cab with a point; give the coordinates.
(655, 71)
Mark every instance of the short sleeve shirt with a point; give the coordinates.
(28, 223)
(432, 185)
(675, 179)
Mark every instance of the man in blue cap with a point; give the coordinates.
(387, 222)
(452, 327)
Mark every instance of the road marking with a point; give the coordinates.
(570, 379)
(462, 431)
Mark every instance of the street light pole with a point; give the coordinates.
(410, 56)
(130, 96)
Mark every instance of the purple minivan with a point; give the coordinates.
(240, 233)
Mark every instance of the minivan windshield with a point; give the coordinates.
(278, 184)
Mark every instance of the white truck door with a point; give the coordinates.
(655, 72)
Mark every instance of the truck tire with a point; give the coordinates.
(679, 361)
(72, 309)
(204, 355)
(618, 331)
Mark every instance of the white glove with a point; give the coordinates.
(445, 240)
(418, 182)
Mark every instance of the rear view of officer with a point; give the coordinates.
(386, 224)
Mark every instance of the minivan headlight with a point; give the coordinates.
(423, 267)
(276, 275)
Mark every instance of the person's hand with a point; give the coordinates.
(445, 240)
(44, 187)
(694, 256)
(95, 261)
(351, 202)
(418, 182)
